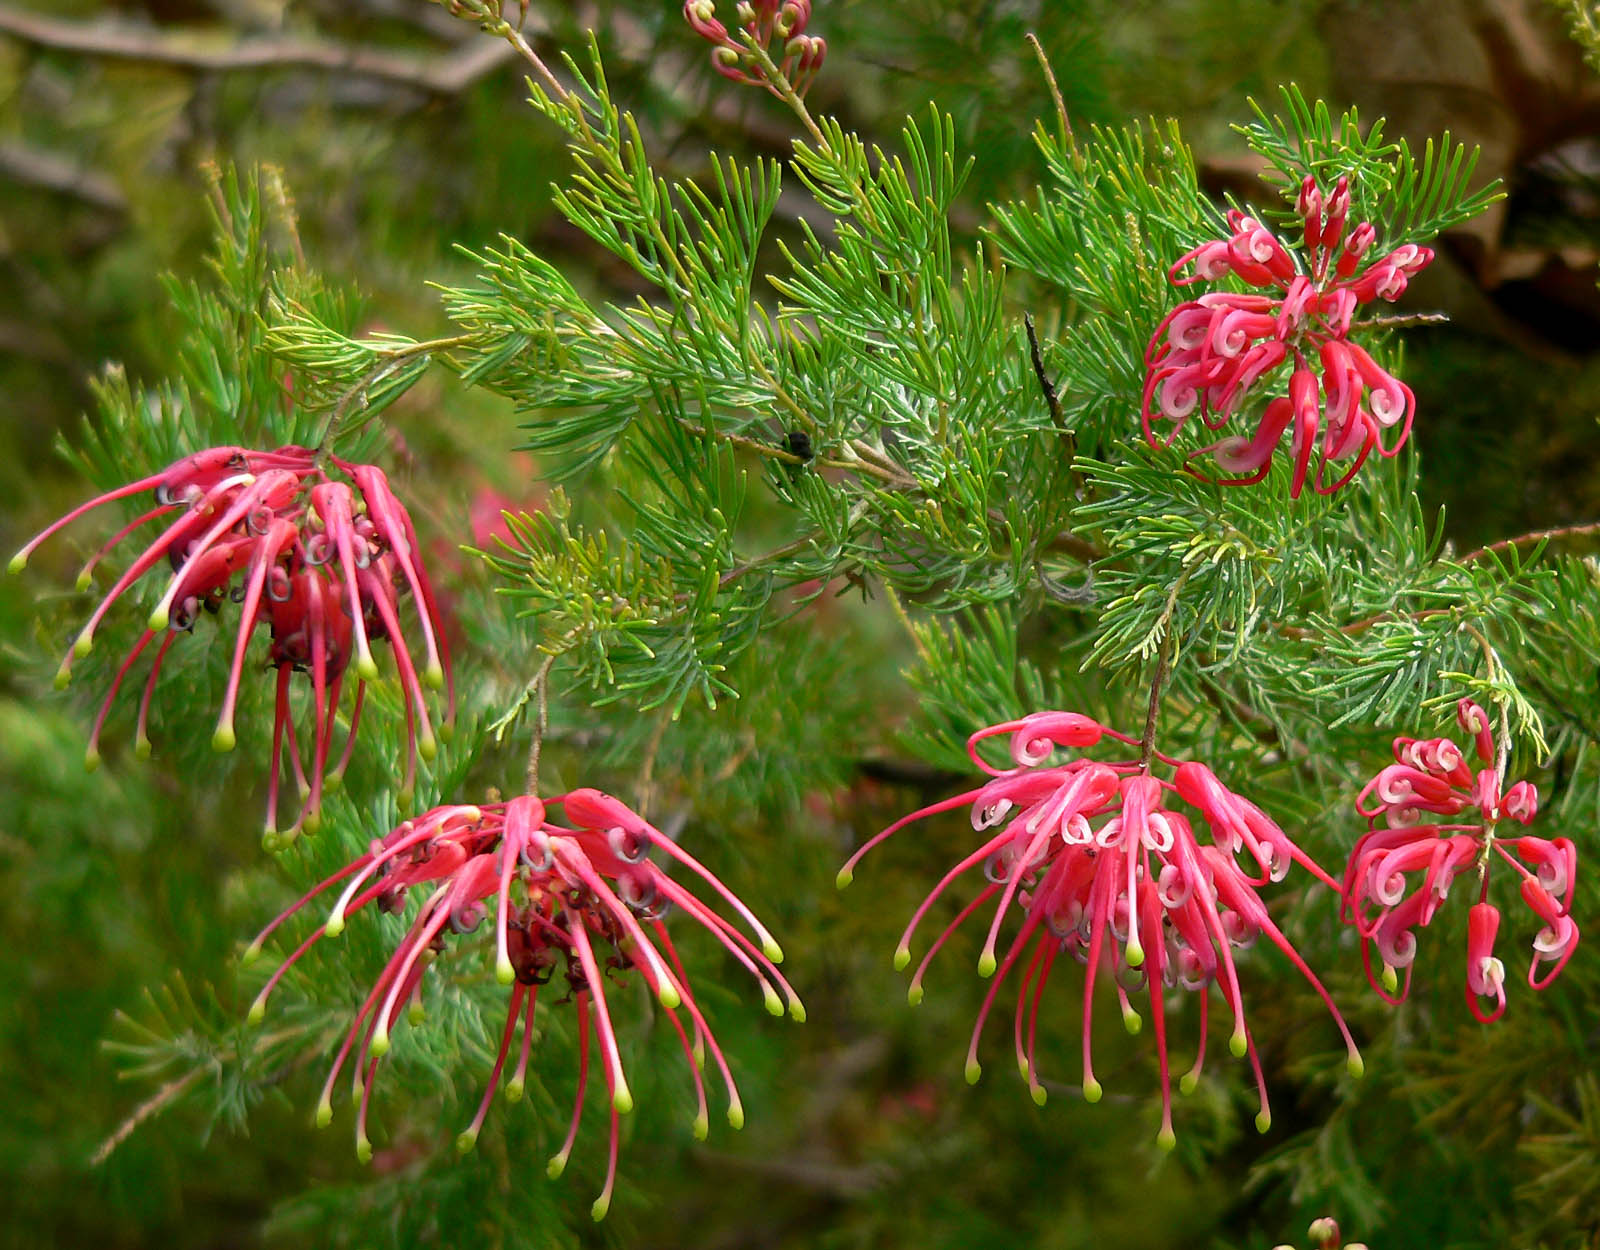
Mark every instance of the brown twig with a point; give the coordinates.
(154, 1105)
(1560, 531)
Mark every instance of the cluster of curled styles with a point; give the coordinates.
(1208, 353)
(1386, 899)
(1101, 868)
(766, 22)
(319, 552)
(582, 900)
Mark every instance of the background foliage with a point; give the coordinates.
(130, 892)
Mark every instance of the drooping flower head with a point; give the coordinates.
(580, 899)
(799, 55)
(1103, 865)
(318, 551)
(1209, 354)
(1401, 872)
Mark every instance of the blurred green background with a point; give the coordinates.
(861, 1132)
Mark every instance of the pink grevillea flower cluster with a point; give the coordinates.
(580, 899)
(1103, 867)
(1400, 873)
(1208, 353)
(767, 22)
(317, 551)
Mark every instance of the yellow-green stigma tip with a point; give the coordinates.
(83, 645)
(1038, 1094)
(504, 973)
(974, 1071)
(324, 1116)
(669, 997)
(447, 732)
(622, 1100)
(770, 999)
(311, 821)
(797, 1011)
(465, 1141)
(332, 782)
(91, 760)
(1166, 1139)
(701, 1127)
(1390, 979)
(986, 964)
(515, 1089)
(335, 925)
(18, 563)
(427, 747)
(364, 1150)
(157, 620)
(416, 1013)
(844, 878)
(224, 740)
(736, 1116)
(556, 1166)
(250, 955)
(914, 995)
(1187, 1083)
(271, 841)
(1237, 1045)
(434, 676)
(1356, 1066)
(1133, 1022)
(1135, 954)
(367, 668)
(141, 746)
(403, 801)
(772, 950)
(1263, 1121)
(63, 678)
(1092, 1090)
(598, 1211)
(902, 957)
(258, 1012)
(380, 1045)
(85, 580)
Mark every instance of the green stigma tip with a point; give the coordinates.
(986, 964)
(1390, 979)
(1092, 1090)
(271, 841)
(84, 644)
(1187, 1083)
(1237, 1045)
(668, 997)
(157, 620)
(914, 994)
(736, 1116)
(251, 954)
(1166, 1139)
(1263, 1121)
(974, 1071)
(332, 782)
(622, 1100)
(1022, 1067)
(324, 1116)
(769, 997)
(1133, 1022)
(797, 1011)
(427, 747)
(224, 739)
(91, 760)
(85, 580)
(18, 562)
(504, 973)
(598, 1211)
(447, 732)
(1038, 1094)
(515, 1089)
(1135, 955)
(141, 747)
(465, 1141)
(311, 820)
(367, 668)
(772, 950)
(380, 1045)
(434, 676)
(335, 925)
(701, 1127)
(556, 1166)
(902, 957)
(844, 878)
(363, 1150)
(1357, 1066)
(258, 1012)
(416, 1014)
(63, 677)
(403, 801)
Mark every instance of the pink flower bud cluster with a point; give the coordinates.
(1399, 874)
(1208, 353)
(1104, 866)
(584, 901)
(317, 553)
(768, 22)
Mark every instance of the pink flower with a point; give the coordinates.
(320, 553)
(1102, 865)
(1399, 875)
(582, 900)
(1208, 353)
(799, 56)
